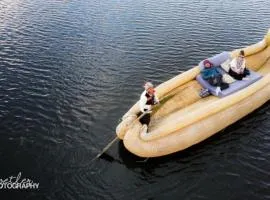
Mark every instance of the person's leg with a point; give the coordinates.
(210, 81)
(139, 114)
(246, 72)
(235, 75)
(219, 80)
(220, 85)
(145, 119)
(224, 86)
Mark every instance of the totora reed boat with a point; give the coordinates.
(183, 118)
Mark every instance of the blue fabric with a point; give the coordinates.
(217, 60)
(209, 72)
(234, 87)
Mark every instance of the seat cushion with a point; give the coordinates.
(233, 87)
(217, 60)
(226, 65)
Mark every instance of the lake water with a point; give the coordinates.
(69, 69)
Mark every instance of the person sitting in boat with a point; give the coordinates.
(213, 76)
(238, 68)
(147, 99)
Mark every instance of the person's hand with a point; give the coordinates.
(242, 71)
(146, 111)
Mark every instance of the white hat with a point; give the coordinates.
(148, 85)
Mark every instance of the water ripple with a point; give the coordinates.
(70, 69)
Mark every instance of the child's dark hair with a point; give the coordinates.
(242, 53)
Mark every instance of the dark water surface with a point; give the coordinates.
(69, 69)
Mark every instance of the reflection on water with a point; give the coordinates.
(70, 69)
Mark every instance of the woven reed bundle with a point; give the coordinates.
(184, 119)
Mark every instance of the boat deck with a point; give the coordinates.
(186, 99)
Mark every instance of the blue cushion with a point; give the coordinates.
(233, 87)
(217, 60)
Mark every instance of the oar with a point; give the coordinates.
(142, 161)
(114, 140)
(106, 148)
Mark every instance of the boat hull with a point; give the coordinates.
(194, 123)
(196, 132)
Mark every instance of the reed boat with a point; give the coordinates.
(183, 118)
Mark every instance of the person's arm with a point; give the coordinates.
(243, 67)
(142, 103)
(233, 65)
(205, 74)
(217, 72)
(156, 99)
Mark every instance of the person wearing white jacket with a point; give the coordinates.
(238, 68)
(147, 99)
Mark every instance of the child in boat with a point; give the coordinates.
(238, 68)
(148, 98)
(213, 76)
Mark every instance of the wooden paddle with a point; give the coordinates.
(115, 139)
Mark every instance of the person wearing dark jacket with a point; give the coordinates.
(213, 76)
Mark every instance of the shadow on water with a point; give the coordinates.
(226, 137)
(69, 70)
